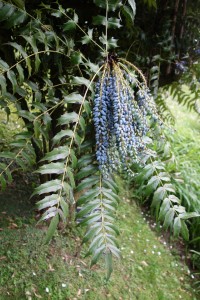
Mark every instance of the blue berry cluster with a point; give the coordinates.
(122, 106)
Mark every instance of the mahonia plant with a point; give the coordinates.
(122, 111)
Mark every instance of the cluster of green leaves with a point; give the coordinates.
(157, 185)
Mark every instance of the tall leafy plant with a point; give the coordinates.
(62, 94)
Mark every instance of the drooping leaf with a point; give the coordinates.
(109, 267)
(24, 54)
(82, 81)
(86, 39)
(64, 207)
(84, 172)
(69, 25)
(48, 187)
(68, 118)
(52, 228)
(177, 226)
(52, 168)
(76, 58)
(169, 218)
(11, 76)
(184, 230)
(186, 215)
(70, 175)
(73, 98)
(133, 6)
(56, 154)
(61, 134)
(164, 208)
(48, 201)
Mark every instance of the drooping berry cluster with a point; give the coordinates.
(122, 107)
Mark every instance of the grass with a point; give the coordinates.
(186, 147)
(185, 140)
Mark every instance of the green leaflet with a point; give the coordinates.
(85, 160)
(87, 183)
(84, 172)
(26, 115)
(126, 11)
(96, 255)
(151, 3)
(65, 208)
(88, 196)
(49, 213)
(164, 208)
(3, 84)
(32, 41)
(68, 118)
(24, 54)
(133, 6)
(6, 11)
(87, 209)
(52, 168)
(169, 218)
(73, 98)
(74, 160)
(63, 133)
(52, 228)
(76, 58)
(4, 65)
(48, 201)
(70, 175)
(154, 182)
(86, 39)
(48, 187)
(184, 230)
(3, 182)
(69, 25)
(159, 195)
(177, 226)
(82, 81)
(56, 154)
(187, 215)
(7, 154)
(11, 76)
